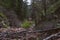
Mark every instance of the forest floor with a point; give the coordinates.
(13, 33)
(16, 33)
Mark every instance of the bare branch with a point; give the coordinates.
(53, 35)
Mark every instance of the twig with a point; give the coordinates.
(53, 35)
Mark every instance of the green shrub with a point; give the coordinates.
(26, 24)
(3, 20)
(2, 15)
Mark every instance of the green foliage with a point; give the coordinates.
(1, 14)
(53, 7)
(17, 5)
(26, 24)
(3, 21)
(7, 3)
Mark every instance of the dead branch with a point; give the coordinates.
(53, 35)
